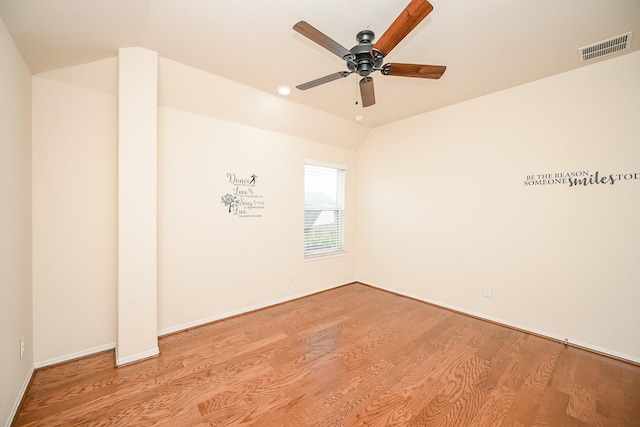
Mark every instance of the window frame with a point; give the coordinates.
(338, 208)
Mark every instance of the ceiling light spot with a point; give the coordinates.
(284, 90)
(359, 118)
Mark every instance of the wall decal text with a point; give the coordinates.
(581, 178)
(243, 200)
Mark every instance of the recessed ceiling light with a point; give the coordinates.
(359, 118)
(284, 90)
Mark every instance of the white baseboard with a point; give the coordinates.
(155, 351)
(23, 390)
(200, 322)
(137, 357)
(172, 329)
(512, 325)
(76, 355)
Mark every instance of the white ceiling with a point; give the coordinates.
(487, 45)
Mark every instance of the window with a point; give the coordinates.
(323, 209)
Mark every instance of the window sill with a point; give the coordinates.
(327, 255)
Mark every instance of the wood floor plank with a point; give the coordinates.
(582, 404)
(495, 410)
(352, 356)
(459, 387)
(565, 370)
(553, 408)
(524, 408)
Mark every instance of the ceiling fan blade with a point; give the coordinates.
(410, 17)
(413, 70)
(367, 92)
(322, 39)
(323, 80)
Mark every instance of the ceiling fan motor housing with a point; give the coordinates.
(361, 61)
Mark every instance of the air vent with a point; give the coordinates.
(605, 47)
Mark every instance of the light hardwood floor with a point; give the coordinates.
(352, 356)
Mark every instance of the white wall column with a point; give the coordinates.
(137, 205)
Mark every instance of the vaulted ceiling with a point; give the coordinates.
(487, 45)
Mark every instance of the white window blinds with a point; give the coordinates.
(323, 210)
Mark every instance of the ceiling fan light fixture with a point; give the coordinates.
(284, 90)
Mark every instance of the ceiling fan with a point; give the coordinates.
(366, 57)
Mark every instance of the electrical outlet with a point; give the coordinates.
(292, 275)
(21, 348)
(488, 292)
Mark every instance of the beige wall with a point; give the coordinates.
(442, 206)
(212, 263)
(188, 89)
(15, 226)
(74, 216)
(443, 210)
(137, 205)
